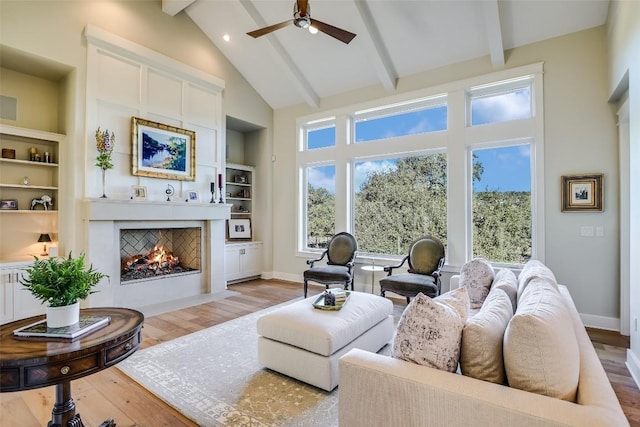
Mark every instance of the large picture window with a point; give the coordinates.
(397, 199)
(321, 206)
(462, 161)
(501, 203)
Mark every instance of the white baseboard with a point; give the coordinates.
(288, 277)
(633, 365)
(600, 322)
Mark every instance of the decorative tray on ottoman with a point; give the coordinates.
(321, 304)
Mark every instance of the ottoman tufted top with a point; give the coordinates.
(321, 331)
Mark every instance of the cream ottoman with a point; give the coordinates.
(305, 343)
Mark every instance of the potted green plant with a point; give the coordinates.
(61, 283)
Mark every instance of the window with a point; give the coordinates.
(463, 161)
(389, 123)
(399, 199)
(501, 203)
(501, 102)
(320, 135)
(321, 210)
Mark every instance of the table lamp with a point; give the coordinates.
(44, 238)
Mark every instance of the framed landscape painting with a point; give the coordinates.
(162, 151)
(582, 193)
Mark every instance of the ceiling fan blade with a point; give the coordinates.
(269, 29)
(337, 33)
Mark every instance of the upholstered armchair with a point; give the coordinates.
(341, 255)
(425, 260)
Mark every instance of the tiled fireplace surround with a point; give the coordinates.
(105, 218)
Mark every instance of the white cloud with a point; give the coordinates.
(500, 108)
(323, 177)
(364, 169)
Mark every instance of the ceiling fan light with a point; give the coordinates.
(313, 30)
(302, 21)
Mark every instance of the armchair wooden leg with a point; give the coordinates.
(305, 288)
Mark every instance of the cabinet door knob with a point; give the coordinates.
(65, 370)
(128, 346)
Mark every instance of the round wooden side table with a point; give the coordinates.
(28, 363)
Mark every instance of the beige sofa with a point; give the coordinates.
(377, 390)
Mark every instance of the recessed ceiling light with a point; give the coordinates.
(226, 37)
(313, 30)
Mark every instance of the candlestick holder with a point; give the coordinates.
(221, 201)
(213, 196)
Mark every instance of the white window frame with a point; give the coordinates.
(456, 140)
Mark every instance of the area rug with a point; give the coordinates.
(213, 377)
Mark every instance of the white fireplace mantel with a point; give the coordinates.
(127, 210)
(104, 218)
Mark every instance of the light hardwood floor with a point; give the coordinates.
(110, 393)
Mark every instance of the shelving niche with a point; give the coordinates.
(42, 177)
(239, 189)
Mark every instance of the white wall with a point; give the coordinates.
(53, 30)
(624, 82)
(580, 137)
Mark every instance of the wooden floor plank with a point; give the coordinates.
(110, 393)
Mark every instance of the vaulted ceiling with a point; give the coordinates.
(394, 38)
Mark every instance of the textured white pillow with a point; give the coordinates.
(430, 330)
(535, 269)
(477, 275)
(481, 348)
(507, 281)
(541, 353)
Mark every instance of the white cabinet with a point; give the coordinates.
(242, 261)
(16, 302)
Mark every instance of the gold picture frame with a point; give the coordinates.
(162, 151)
(582, 193)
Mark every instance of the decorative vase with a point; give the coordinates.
(104, 178)
(59, 317)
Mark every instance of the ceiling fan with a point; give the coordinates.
(302, 19)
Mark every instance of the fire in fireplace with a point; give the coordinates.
(158, 262)
(152, 253)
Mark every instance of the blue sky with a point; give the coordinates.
(505, 168)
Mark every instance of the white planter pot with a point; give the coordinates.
(58, 317)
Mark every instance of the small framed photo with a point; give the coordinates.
(9, 204)
(192, 196)
(138, 192)
(239, 229)
(582, 193)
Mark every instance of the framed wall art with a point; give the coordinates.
(9, 204)
(162, 151)
(239, 229)
(138, 192)
(582, 193)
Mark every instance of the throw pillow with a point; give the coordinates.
(430, 330)
(535, 269)
(477, 275)
(541, 353)
(507, 281)
(481, 348)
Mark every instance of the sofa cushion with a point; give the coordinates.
(477, 275)
(535, 269)
(541, 353)
(507, 281)
(481, 347)
(430, 330)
